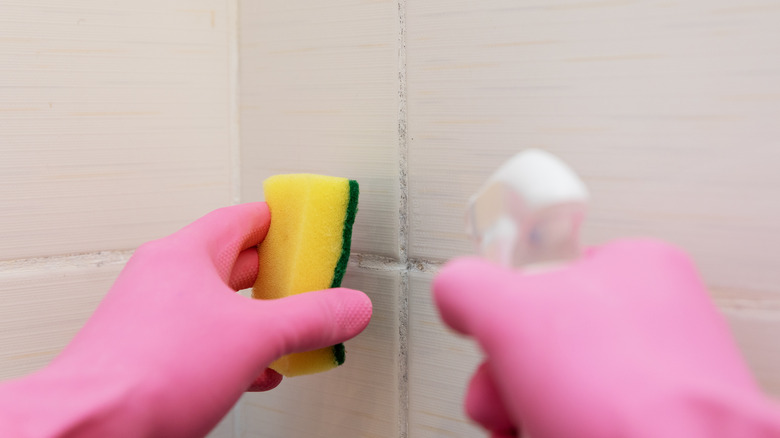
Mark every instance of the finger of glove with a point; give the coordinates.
(484, 405)
(225, 232)
(266, 381)
(469, 290)
(313, 320)
(245, 270)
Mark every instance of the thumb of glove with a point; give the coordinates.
(314, 320)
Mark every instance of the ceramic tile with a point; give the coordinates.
(225, 428)
(667, 110)
(755, 322)
(114, 122)
(440, 366)
(360, 398)
(42, 309)
(319, 94)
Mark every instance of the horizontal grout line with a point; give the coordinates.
(81, 260)
(424, 265)
(373, 262)
(768, 302)
(764, 307)
(370, 262)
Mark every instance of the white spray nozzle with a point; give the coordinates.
(528, 212)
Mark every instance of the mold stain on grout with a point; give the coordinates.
(373, 262)
(403, 229)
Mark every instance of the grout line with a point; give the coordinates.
(403, 146)
(403, 356)
(372, 262)
(234, 88)
(234, 118)
(82, 260)
(363, 261)
(403, 232)
(754, 308)
(424, 265)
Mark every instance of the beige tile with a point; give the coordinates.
(440, 366)
(42, 308)
(358, 399)
(667, 110)
(755, 323)
(226, 427)
(319, 94)
(114, 122)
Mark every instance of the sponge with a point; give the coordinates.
(306, 249)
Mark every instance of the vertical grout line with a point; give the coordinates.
(403, 355)
(403, 232)
(234, 88)
(234, 114)
(403, 147)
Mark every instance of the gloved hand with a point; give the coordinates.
(624, 342)
(172, 347)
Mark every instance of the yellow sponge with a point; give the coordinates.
(306, 249)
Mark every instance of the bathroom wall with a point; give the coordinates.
(122, 121)
(667, 109)
(117, 126)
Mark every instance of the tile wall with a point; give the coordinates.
(120, 123)
(117, 126)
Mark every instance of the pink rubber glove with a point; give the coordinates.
(171, 347)
(623, 343)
